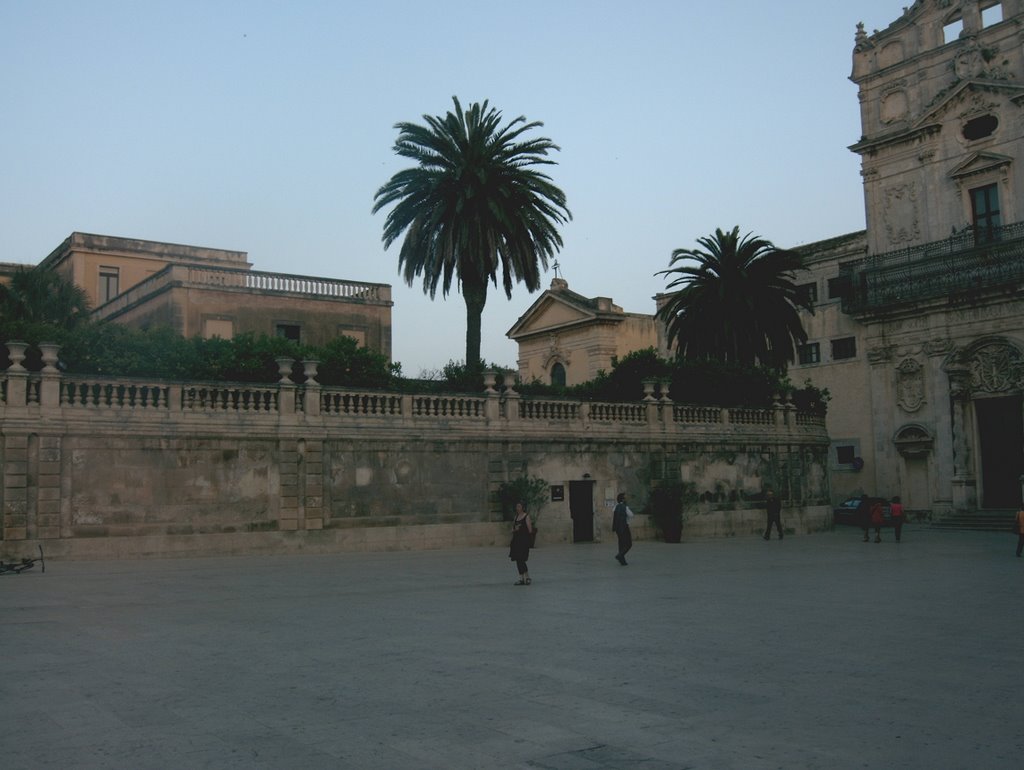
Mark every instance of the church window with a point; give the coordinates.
(980, 127)
(558, 375)
(985, 211)
(991, 15)
(845, 454)
(952, 29)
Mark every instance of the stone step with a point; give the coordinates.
(986, 520)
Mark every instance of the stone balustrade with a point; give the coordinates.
(101, 466)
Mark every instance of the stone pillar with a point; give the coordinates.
(49, 488)
(49, 388)
(965, 485)
(17, 377)
(313, 497)
(288, 515)
(311, 394)
(15, 510)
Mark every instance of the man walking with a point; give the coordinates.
(620, 526)
(773, 507)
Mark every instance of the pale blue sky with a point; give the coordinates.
(267, 127)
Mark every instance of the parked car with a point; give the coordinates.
(846, 511)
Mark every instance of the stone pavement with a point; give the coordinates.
(814, 652)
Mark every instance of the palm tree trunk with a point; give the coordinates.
(475, 297)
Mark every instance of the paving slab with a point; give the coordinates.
(813, 652)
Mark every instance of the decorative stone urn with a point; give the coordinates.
(49, 351)
(284, 368)
(16, 352)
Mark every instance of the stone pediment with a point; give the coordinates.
(970, 97)
(980, 162)
(559, 308)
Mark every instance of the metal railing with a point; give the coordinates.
(959, 268)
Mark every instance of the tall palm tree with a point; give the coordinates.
(36, 296)
(473, 202)
(735, 301)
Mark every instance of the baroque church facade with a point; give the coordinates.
(920, 337)
(918, 323)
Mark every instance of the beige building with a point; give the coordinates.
(565, 338)
(919, 324)
(207, 292)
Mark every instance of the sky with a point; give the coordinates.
(267, 127)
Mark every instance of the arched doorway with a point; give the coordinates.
(914, 443)
(987, 391)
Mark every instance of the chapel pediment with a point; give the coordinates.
(560, 308)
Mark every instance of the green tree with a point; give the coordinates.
(36, 297)
(734, 301)
(473, 203)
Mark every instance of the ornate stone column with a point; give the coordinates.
(965, 485)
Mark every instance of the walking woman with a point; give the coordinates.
(519, 550)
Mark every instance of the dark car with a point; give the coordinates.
(846, 511)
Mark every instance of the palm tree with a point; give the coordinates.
(735, 301)
(473, 202)
(36, 296)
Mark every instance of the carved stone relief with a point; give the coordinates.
(895, 107)
(996, 368)
(909, 385)
(900, 213)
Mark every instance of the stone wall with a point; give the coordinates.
(102, 468)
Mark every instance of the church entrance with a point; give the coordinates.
(1001, 438)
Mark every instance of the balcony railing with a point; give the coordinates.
(959, 268)
(309, 287)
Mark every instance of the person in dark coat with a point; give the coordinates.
(519, 550)
(620, 526)
(896, 512)
(864, 516)
(773, 507)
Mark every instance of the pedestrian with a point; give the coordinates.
(1019, 526)
(896, 511)
(876, 519)
(519, 549)
(620, 526)
(863, 515)
(773, 507)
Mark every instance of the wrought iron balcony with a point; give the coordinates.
(961, 269)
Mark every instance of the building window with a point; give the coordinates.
(218, 327)
(839, 288)
(359, 335)
(985, 211)
(110, 281)
(558, 375)
(844, 347)
(288, 331)
(845, 454)
(809, 353)
(807, 294)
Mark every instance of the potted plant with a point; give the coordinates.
(531, 491)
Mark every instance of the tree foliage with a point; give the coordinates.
(734, 301)
(473, 204)
(40, 298)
